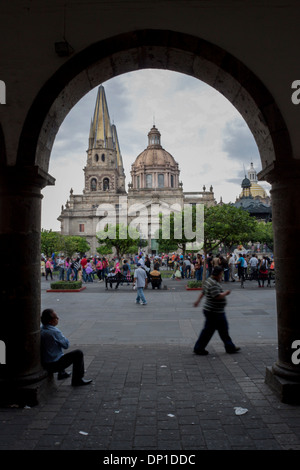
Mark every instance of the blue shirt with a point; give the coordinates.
(52, 343)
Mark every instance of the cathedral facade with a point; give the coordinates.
(155, 183)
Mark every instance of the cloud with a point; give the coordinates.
(239, 143)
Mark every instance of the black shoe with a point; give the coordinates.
(63, 375)
(233, 351)
(81, 382)
(201, 352)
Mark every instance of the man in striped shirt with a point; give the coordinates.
(214, 312)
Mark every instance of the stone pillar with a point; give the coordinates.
(21, 376)
(284, 376)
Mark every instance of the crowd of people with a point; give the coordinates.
(89, 269)
(236, 266)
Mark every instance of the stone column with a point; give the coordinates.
(284, 376)
(21, 376)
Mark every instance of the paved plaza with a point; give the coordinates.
(149, 391)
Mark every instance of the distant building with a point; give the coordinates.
(154, 180)
(253, 198)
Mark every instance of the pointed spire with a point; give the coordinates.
(117, 146)
(101, 131)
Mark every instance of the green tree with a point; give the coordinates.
(226, 225)
(74, 244)
(55, 242)
(118, 237)
(264, 234)
(51, 242)
(178, 229)
(223, 224)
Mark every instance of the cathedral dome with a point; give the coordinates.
(246, 183)
(154, 153)
(155, 167)
(257, 190)
(155, 156)
(251, 185)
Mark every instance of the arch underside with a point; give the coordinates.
(152, 49)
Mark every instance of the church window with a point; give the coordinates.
(172, 181)
(81, 227)
(149, 181)
(105, 184)
(138, 182)
(96, 157)
(103, 157)
(93, 184)
(160, 180)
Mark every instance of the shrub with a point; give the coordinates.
(66, 285)
(194, 284)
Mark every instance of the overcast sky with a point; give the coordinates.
(201, 129)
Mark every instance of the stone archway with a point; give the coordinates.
(81, 73)
(153, 49)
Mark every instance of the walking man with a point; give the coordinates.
(140, 280)
(61, 265)
(214, 312)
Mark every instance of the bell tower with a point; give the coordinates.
(104, 170)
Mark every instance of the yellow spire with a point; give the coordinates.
(117, 146)
(100, 130)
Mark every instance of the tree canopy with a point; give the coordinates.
(120, 238)
(55, 242)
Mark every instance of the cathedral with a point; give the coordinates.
(155, 182)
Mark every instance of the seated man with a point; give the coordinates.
(155, 278)
(116, 275)
(52, 344)
(109, 275)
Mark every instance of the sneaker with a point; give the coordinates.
(201, 352)
(144, 303)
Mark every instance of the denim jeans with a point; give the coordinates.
(213, 322)
(199, 273)
(61, 274)
(187, 272)
(140, 295)
(104, 273)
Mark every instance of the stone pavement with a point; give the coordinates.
(149, 391)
